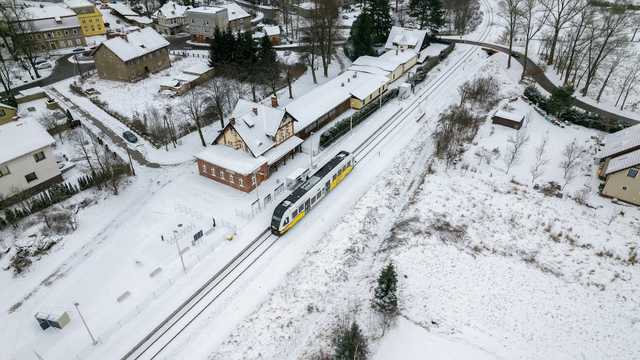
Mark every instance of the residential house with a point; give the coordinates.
(91, 21)
(512, 113)
(132, 56)
(124, 12)
(238, 19)
(406, 39)
(621, 142)
(203, 21)
(53, 27)
(188, 79)
(622, 177)
(27, 161)
(256, 140)
(7, 113)
(392, 64)
(171, 18)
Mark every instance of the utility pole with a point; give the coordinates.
(84, 322)
(184, 268)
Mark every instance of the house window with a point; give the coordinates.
(31, 177)
(213, 172)
(241, 182)
(4, 170)
(632, 172)
(624, 188)
(39, 156)
(222, 173)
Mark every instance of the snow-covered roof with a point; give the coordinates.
(622, 162)
(32, 91)
(136, 44)
(235, 12)
(515, 110)
(620, 141)
(19, 138)
(3, 105)
(48, 12)
(229, 158)
(407, 37)
(376, 62)
(257, 125)
(317, 102)
(206, 10)
(171, 10)
(433, 50)
(140, 19)
(398, 57)
(271, 30)
(276, 153)
(363, 84)
(75, 4)
(122, 9)
(369, 70)
(197, 69)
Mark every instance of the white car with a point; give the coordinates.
(44, 65)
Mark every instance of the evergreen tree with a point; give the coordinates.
(215, 48)
(385, 299)
(429, 14)
(362, 36)
(561, 100)
(350, 344)
(380, 13)
(268, 64)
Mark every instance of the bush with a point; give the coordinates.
(349, 343)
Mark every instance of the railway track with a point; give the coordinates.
(380, 134)
(186, 313)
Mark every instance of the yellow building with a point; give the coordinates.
(7, 113)
(91, 21)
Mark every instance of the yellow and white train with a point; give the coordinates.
(292, 209)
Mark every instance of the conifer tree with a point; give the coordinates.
(385, 299)
(362, 36)
(350, 344)
(380, 12)
(429, 13)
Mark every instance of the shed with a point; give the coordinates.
(512, 113)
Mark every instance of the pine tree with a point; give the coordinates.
(362, 36)
(350, 344)
(429, 14)
(215, 48)
(380, 12)
(385, 299)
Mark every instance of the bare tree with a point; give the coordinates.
(81, 142)
(311, 43)
(510, 12)
(532, 20)
(620, 56)
(327, 22)
(221, 96)
(561, 12)
(537, 168)
(17, 34)
(194, 106)
(577, 28)
(572, 154)
(516, 142)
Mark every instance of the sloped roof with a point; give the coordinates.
(122, 9)
(229, 158)
(235, 12)
(317, 102)
(171, 10)
(399, 58)
(48, 12)
(404, 36)
(256, 128)
(363, 84)
(206, 10)
(137, 43)
(75, 4)
(19, 138)
(51, 17)
(516, 110)
(376, 62)
(620, 141)
(622, 162)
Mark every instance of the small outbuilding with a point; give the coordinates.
(622, 177)
(512, 113)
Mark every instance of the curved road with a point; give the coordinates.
(539, 76)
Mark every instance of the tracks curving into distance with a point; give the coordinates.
(372, 142)
(186, 313)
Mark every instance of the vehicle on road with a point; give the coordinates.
(44, 65)
(292, 209)
(77, 50)
(130, 137)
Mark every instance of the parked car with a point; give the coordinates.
(44, 65)
(77, 50)
(130, 137)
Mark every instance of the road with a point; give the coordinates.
(63, 69)
(539, 76)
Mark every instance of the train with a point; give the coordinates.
(303, 199)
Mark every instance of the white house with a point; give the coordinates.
(170, 18)
(404, 38)
(203, 21)
(27, 161)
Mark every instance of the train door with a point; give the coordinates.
(307, 204)
(327, 186)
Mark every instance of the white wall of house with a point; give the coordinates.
(205, 23)
(18, 169)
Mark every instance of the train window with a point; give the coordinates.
(286, 220)
(295, 212)
(301, 208)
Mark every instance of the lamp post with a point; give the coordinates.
(84, 322)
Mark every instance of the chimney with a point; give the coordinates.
(355, 74)
(232, 121)
(274, 101)
(255, 111)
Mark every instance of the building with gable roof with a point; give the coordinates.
(256, 140)
(91, 21)
(404, 38)
(171, 18)
(53, 27)
(132, 56)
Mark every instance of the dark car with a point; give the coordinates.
(130, 137)
(76, 50)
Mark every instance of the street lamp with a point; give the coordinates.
(93, 339)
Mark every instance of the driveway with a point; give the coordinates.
(539, 76)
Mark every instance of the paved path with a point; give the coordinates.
(63, 69)
(539, 76)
